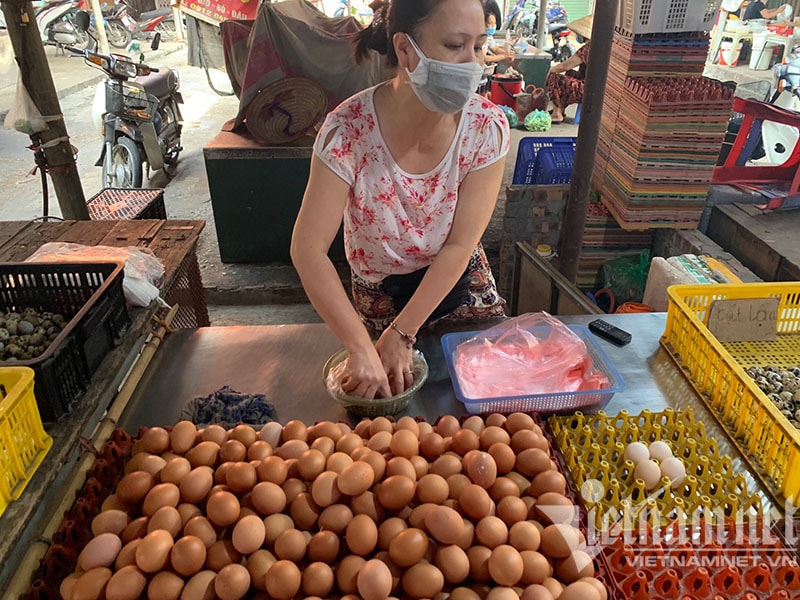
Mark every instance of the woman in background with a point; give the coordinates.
(565, 80)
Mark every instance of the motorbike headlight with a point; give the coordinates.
(125, 68)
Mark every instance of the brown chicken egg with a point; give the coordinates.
(127, 583)
(91, 584)
(475, 501)
(492, 435)
(453, 562)
(203, 454)
(310, 464)
(404, 443)
(548, 481)
(505, 565)
(268, 498)
(127, 556)
(200, 586)
(503, 487)
(323, 546)
(166, 518)
(559, 540)
(221, 553)
(388, 529)
(232, 451)
(188, 555)
(408, 547)
(248, 534)
(465, 440)
(258, 563)
(182, 437)
(110, 521)
(422, 580)
(446, 465)
(432, 488)
(349, 442)
(535, 567)
(133, 487)
(214, 433)
(200, 527)
(447, 425)
(579, 590)
(317, 580)
(479, 562)
(480, 468)
(153, 551)
(274, 525)
(335, 517)
(135, 529)
(374, 581)
(396, 492)
(552, 507)
(512, 509)
(431, 445)
(232, 582)
(532, 461)
(575, 566)
(361, 535)
(165, 585)
(464, 593)
(491, 531)
(347, 573)
(291, 545)
(355, 478)
(444, 524)
(272, 469)
(223, 508)
(283, 580)
(244, 433)
(400, 465)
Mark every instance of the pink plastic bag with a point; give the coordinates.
(531, 354)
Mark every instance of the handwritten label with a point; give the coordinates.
(749, 320)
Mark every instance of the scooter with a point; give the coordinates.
(57, 27)
(138, 115)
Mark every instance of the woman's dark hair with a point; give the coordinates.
(388, 18)
(490, 7)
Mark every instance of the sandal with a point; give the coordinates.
(556, 122)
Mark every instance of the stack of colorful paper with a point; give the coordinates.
(665, 146)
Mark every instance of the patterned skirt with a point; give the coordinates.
(375, 307)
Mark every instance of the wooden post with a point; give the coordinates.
(569, 248)
(35, 75)
(102, 39)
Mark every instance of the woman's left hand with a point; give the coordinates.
(397, 360)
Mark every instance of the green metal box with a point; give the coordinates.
(256, 193)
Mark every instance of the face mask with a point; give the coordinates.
(442, 86)
(490, 30)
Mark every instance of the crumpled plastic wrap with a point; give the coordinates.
(228, 408)
(531, 354)
(144, 273)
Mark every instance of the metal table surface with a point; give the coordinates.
(284, 362)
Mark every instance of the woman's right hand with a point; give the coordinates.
(364, 376)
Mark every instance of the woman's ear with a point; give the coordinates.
(406, 56)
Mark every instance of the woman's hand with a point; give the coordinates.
(365, 376)
(397, 360)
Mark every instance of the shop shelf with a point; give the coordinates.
(23, 440)
(765, 437)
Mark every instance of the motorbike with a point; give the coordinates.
(523, 20)
(57, 27)
(116, 23)
(138, 114)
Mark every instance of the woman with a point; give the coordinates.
(412, 167)
(565, 79)
(493, 52)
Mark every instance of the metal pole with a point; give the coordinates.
(540, 23)
(591, 107)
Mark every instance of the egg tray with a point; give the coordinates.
(593, 447)
(702, 563)
(75, 529)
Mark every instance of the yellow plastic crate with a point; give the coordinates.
(769, 442)
(23, 440)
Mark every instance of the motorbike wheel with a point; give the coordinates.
(167, 30)
(118, 35)
(126, 165)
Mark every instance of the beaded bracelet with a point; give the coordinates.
(409, 339)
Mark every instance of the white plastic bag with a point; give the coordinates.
(143, 271)
(24, 116)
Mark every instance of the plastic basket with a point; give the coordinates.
(529, 147)
(666, 16)
(553, 165)
(542, 403)
(91, 296)
(23, 440)
(765, 437)
(118, 203)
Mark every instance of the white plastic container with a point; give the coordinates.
(759, 55)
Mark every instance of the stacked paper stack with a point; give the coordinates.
(665, 146)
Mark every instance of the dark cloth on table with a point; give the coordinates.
(228, 408)
(565, 89)
(754, 10)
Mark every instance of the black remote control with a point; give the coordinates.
(607, 331)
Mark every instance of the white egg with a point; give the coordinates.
(271, 433)
(660, 451)
(636, 452)
(674, 469)
(649, 472)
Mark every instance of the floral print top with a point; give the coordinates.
(397, 222)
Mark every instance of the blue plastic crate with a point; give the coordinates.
(556, 402)
(528, 151)
(553, 165)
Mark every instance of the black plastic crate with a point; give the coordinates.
(91, 296)
(119, 203)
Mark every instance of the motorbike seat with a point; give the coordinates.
(160, 84)
(150, 14)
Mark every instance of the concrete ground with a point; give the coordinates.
(236, 293)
